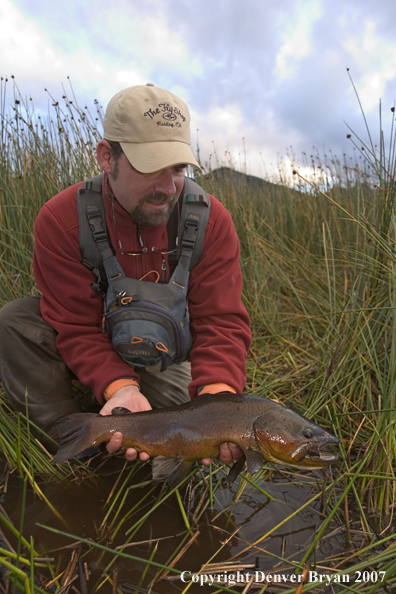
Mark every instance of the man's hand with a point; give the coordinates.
(228, 453)
(128, 397)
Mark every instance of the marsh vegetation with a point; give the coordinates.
(319, 264)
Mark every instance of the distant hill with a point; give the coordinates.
(231, 175)
(227, 177)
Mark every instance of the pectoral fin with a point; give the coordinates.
(254, 459)
(171, 470)
(235, 470)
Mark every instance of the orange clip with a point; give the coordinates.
(161, 347)
(157, 277)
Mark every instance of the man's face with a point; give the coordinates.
(148, 197)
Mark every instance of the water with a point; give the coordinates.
(82, 508)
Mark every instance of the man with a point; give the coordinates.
(49, 342)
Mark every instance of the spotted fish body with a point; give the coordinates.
(264, 430)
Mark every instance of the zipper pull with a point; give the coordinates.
(140, 240)
(163, 268)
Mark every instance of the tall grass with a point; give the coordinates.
(319, 270)
(40, 155)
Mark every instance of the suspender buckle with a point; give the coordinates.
(190, 233)
(96, 223)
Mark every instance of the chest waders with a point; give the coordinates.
(148, 322)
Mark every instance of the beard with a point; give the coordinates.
(150, 217)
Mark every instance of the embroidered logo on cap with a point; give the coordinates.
(168, 113)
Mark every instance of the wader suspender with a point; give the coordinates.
(95, 245)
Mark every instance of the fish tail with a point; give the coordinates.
(76, 434)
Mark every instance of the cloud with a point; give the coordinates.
(102, 52)
(128, 78)
(271, 73)
(26, 53)
(297, 37)
(25, 50)
(378, 56)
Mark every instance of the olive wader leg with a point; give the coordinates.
(166, 388)
(31, 364)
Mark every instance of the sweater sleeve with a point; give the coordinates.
(69, 304)
(221, 325)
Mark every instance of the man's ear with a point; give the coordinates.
(104, 156)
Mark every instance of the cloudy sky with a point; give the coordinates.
(270, 72)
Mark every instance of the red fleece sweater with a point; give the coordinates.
(69, 304)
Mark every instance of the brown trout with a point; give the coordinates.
(263, 429)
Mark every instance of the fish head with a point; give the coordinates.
(285, 437)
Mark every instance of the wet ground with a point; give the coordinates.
(226, 528)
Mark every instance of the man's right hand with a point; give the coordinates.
(131, 398)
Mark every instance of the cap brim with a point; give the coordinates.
(149, 157)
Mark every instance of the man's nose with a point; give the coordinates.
(166, 182)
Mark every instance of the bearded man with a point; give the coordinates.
(54, 352)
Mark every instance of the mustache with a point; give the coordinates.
(158, 198)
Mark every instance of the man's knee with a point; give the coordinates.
(21, 324)
(18, 312)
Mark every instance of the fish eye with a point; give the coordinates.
(308, 433)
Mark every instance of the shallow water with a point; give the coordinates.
(81, 508)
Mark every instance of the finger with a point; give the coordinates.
(225, 455)
(115, 442)
(131, 454)
(236, 452)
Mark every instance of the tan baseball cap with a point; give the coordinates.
(153, 127)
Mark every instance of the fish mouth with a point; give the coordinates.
(321, 457)
(314, 453)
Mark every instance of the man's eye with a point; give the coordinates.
(180, 168)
